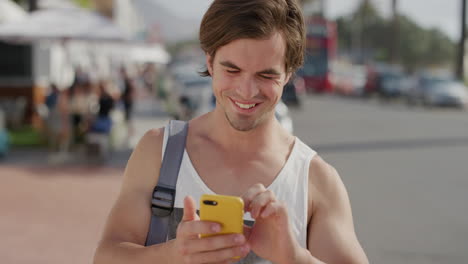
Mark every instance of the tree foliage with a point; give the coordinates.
(83, 3)
(21, 2)
(367, 31)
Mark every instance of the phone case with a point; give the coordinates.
(226, 210)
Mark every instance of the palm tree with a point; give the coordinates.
(395, 30)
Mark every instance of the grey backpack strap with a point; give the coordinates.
(162, 202)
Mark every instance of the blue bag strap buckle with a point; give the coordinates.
(162, 203)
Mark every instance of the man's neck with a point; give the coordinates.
(245, 141)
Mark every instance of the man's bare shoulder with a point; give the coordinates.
(325, 184)
(152, 141)
(322, 175)
(143, 166)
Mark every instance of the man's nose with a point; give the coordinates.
(248, 88)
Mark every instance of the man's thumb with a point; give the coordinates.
(190, 209)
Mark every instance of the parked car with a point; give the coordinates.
(348, 79)
(4, 142)
(391, 84)
(359, 79)
(449, 93)
(432, 89)
(341, 79)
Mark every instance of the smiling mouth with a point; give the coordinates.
(245, 106)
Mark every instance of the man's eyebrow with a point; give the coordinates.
(269, 71)
(229, 65)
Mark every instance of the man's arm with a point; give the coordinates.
(331, 235)
(127, 225)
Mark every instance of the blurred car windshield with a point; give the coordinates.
(449, 86)
(197, 81)
(435, 81)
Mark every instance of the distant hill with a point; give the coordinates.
(173, 28)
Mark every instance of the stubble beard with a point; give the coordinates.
(245, 124)
(242, 125)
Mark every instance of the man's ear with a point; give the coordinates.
(288, 76)
(209, 63)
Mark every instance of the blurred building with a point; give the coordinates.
(17, 91)
(123, 13)
(313, 7)
(26, 70)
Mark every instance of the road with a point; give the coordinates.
(404, 170)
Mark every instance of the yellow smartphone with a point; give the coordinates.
(225, 210)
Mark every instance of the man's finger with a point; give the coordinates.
(251, 193)
(194, 228)
(258, 204)
(190, 210)
(221, 255)
(276, 208)
(216, 243)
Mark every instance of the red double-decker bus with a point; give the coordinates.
(320, 50)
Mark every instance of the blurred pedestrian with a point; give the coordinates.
(58, 124)
(128, 93)
(149, 76)
(98, 136)
(82, 103)
(128, 97)
(102, 123)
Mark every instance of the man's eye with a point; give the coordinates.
(232, 71)
(267, 77)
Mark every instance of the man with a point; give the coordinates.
(128, 93)
(300, 206)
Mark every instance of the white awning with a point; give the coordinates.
(62, 24)
(10, 12)
(149, 53)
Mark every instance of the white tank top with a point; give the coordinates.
(290, 186)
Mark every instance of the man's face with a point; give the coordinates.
(248, 79)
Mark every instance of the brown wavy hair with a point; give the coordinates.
(229, 20)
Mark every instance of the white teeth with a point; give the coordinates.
(245, 106)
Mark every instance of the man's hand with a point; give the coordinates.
(190, 248)
(270, 237)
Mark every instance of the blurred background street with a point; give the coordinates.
(406, 180)
(382, 96)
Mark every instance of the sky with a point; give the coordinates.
(442, 14)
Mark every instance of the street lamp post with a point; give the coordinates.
(32, 4)
(461, 45)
